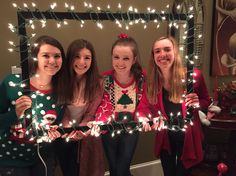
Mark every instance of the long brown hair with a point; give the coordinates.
(155, 77)
(69, 82)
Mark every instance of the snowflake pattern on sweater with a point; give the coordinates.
(18, 136)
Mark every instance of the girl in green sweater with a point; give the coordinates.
(26, 119)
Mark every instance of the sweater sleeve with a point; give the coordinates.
(201, 90)
(7, 116)
(105, 110)
(92, 108)
(145, 108)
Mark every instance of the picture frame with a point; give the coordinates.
(223, 52)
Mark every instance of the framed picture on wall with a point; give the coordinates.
(223, 58)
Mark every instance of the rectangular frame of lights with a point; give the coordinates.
(102, 16)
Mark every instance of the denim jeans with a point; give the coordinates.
(119, 151)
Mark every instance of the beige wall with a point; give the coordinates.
(102, 40)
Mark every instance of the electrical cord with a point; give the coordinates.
(40, 157)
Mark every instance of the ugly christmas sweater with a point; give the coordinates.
(119, 102)
(19, 136)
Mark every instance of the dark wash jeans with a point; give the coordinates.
(119, 151)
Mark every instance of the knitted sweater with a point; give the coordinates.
(119, 102)
(18, 136)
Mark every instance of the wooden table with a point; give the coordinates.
(223, 121)
(222, 132)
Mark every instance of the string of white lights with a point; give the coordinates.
(30, 14)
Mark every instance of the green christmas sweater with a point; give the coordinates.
(19, 136)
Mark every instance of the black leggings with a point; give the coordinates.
(171, 163)
(37, 169)
(67, 153)
(119, 151)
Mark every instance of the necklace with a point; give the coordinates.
(44, 86)
(39, 85)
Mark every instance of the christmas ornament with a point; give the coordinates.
(222, 168)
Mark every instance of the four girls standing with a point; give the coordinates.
(80, 90)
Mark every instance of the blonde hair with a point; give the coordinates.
(155, 77)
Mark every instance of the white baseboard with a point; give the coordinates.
(152, 168)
